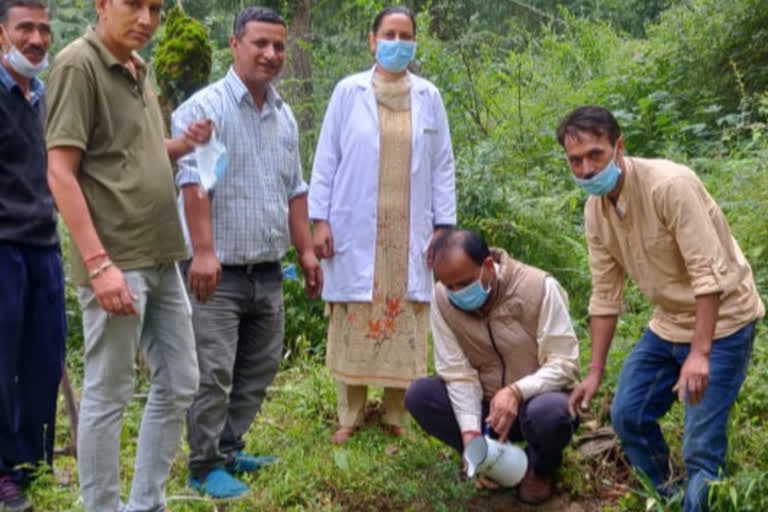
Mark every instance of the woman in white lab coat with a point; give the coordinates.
(382, 184)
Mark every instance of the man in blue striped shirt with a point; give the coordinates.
(237, 238)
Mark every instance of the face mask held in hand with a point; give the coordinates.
(212, 161)
(603, 182)
(394, 56)
(471, 297)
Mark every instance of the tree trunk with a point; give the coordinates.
(297, 84)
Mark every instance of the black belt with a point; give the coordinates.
(253, 268)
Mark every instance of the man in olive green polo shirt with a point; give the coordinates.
(109, 169)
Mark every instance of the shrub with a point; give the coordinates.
(182, 60)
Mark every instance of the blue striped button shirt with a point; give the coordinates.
(249, 208)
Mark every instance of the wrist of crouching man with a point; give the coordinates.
(516, 391)
(597, 368)
(467, 435)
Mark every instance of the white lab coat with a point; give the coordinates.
(345, 179)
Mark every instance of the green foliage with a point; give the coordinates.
(305, 322)
(505, 95)
(714, 46)
(69, 18)
(182, 59)
(748, 492)
(694, 90)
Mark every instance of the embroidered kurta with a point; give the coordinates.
(384, 342)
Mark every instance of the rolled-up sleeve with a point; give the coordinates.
(188, 112)
(461, 379)
(607, 276)
(681, 203)
(558, 346)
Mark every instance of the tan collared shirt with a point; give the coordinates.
(670, 236)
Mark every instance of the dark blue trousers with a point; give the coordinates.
(32, 340)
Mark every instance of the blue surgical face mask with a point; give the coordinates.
(21, 65)
(394, 56)
(603, 182)
(212, 160)
(472, 296)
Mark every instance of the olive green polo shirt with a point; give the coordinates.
(96, 105)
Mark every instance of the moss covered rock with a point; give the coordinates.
(182, 60)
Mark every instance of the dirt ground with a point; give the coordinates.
(508, 502)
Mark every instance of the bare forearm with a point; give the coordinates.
(706, 320)
(601, 330)
(73, 209)
(298, 221)
(178, 148)
(197, 209)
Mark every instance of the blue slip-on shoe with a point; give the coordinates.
(245, 463)
(219, 484)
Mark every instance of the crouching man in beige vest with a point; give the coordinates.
(506, 356)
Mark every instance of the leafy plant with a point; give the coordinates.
(182, 60)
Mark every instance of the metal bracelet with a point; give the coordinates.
(98, 270)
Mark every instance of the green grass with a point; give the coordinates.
(375, 471)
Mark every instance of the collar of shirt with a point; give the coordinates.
(111, 62)
(36, 87)
(241, 93)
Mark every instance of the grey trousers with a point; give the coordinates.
(163, 332)
(239, 339)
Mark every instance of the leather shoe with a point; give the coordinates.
(535, 488)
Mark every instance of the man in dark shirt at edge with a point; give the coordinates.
(32, 320)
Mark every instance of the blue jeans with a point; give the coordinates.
(644, 394)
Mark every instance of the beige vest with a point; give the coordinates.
(501, 345)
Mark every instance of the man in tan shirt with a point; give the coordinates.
(654, 220)
(505, 354)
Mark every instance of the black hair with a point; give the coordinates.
(6, 5)
(592, 119)
(249, 14)
(393, 9)
(470, 242)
